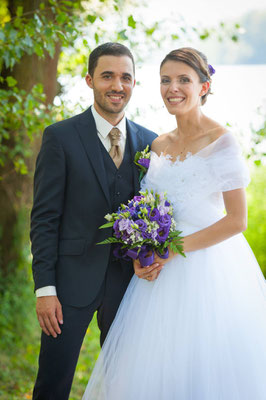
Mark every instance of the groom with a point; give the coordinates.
(84, 170)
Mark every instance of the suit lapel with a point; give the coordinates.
(136, 144)
(89, 138)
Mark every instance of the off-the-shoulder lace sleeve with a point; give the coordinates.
(228, 164)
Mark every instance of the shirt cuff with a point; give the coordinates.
(46, 291)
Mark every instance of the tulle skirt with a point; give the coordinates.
(196, 333)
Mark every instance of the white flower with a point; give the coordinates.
(109, 217)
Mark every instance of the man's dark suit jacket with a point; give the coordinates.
(70, 201)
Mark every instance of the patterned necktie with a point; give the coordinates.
(115, 151)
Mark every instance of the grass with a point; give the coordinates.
(18, 368)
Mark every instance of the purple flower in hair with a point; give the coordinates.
(211, 69)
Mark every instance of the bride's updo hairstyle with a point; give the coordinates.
(196, 60)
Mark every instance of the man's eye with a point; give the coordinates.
(106, 76)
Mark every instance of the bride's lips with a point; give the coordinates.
(175, 100)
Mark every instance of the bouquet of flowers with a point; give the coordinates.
(142, 160)
(143, 227)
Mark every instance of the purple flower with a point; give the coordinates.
(165, 220)
(142, 224)
(116, 229)
(118, 252)
(163, 210)
(148, 235)
(137, 198)
(154, 215)
(162, 234)
(145, 162)
(126, 238)
(154, 234)
(211, 69)
(167, 204)
(125, 225)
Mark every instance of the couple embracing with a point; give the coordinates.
(188, 328)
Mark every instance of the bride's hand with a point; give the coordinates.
(151, 272)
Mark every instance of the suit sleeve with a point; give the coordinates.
(49, 186)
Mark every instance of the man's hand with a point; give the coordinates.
(49, 313)
(150, 273)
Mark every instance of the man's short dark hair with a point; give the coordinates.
(108, 49)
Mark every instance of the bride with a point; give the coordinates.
(198, 331)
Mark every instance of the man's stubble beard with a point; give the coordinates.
(102, 103)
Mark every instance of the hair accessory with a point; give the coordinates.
(211, 69)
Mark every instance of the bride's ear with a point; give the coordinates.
(204, 89)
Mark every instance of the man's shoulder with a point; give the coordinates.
(69, 123)
(144, 131)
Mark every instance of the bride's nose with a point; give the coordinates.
(174, 87)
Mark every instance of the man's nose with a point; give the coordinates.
(117, 84)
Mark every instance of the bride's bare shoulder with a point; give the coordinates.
(161, 142)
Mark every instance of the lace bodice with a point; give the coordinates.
(195, 185)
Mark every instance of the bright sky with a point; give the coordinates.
(207, 12)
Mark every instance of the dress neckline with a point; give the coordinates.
(189, 154)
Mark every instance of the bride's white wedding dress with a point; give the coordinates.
(199, 331)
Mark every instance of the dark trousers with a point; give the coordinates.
(59, 356)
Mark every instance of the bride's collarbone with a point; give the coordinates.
(179, 149)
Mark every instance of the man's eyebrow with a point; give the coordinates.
(107, 72)
(112, 73)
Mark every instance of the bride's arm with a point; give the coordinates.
(235, 221)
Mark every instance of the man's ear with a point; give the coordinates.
(88, 80)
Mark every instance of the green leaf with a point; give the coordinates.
(257, 162)
(19, 11)
(61, 18)
(38, 49)
(234, 38)
(150, 31)
(107, 225)
(42, 6)
(131, 22)
(11, 81)
(96, 37)
(109, 241)
(91, 18)
(122, 35)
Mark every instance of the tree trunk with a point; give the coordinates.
(16, 189)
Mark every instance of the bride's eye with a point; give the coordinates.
(184, 79)
(165, 81)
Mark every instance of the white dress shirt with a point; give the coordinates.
(103, 128)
